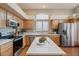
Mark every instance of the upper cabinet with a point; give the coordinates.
(20, 21)
(54, 25)
(28, 24)
(11, 16)
(2, 18)
(5, 16)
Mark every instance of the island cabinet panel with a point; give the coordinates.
(2, 18)
(56, 39)
(6, 49)
(26, 41)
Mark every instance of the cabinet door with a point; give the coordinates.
(7, 49)
(6, 45)
(20, 21)
(56, 39)
(26, 41)
(54, 24)
(2, 18)
(7, 52)
(10, 15)
(28, 24)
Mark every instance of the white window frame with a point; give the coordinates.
(42, 17)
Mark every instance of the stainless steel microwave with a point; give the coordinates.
(13, 23)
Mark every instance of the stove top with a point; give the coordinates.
(16, 37)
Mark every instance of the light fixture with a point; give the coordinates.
(44, 6)
(74, 15)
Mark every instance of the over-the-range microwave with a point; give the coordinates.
(13, 23)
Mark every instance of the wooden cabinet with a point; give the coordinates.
(2, 18)
(6, 15)
(20, 21)
(16, 18)
(6, 49)
(54, 24)
(26, 41)
(28, 24)
(56, 39)
(10, 15)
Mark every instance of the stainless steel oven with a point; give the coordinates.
(17, 41)
(17, 44)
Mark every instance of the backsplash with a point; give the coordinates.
(5, 31)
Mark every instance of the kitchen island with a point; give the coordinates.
(48, 48)
(28, 37)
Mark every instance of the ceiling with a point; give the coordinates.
(48, 5)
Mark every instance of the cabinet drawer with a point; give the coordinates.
(7, 52)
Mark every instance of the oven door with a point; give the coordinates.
(17, 44)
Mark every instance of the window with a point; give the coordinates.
(45, 26)
(38, 25)
(42, 23)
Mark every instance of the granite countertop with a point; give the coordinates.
(3, 41)
(49, 48)
(35, 33)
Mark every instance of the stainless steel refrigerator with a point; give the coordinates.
(68, 33)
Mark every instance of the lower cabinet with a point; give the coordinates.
(6, 49)
(7, 52)
(26, 41)
(56, 39)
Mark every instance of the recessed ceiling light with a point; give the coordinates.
(44, 6)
